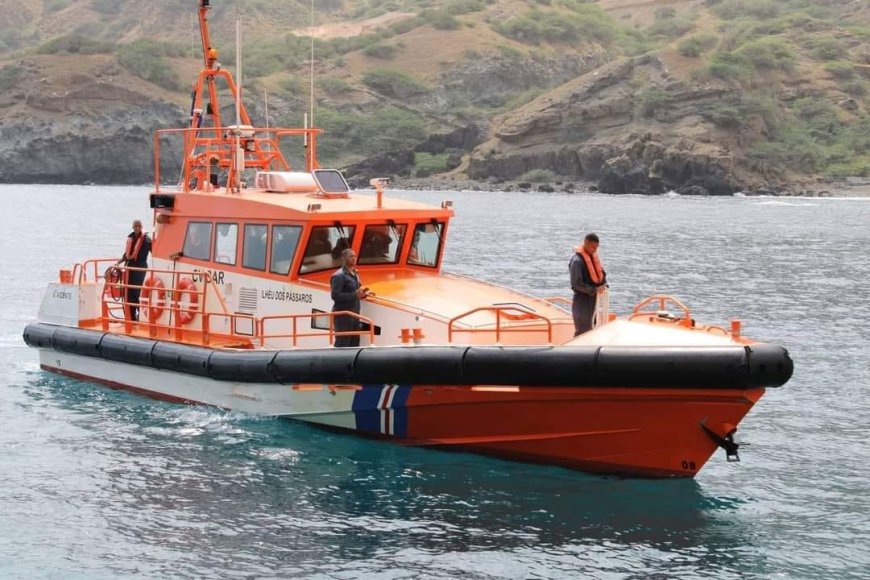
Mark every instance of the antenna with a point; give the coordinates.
(312, 64)
(239, 157)
(266, 105)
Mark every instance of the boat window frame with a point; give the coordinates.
(336, 259)
(440, 249)
(207, 245)
(265, 250)
(400, 243)
(271, 242)
(235, 255)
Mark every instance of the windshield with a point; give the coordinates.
(382, 243)
(426, 246)
(324, 248)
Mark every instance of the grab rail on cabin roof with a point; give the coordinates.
(510, 312)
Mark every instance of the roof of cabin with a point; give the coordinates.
(249, 203)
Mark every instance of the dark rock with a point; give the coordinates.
(692, 190)
(546, 187)
(848, 105)
(388, 164)
(464, 138)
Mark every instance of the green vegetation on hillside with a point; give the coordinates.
(356, 132)
(145, 59)
(76, 44)
(763, 47)
(794, 73)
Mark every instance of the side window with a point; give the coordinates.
(284, 242)
(325, 244)
(254, 249)
(197, 241)
(225, 241)
(381, 243)
(426, 245)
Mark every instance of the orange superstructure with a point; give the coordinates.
(237, 311)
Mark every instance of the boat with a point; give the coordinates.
(236, 312)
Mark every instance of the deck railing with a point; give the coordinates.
(189, 295)
(512, 313)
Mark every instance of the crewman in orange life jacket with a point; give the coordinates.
(135, 256)
(588, 278)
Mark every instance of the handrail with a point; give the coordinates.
(662, 299)
(81, 269)
(170, 301)
(295, 335)
(527, 314)
(559, 301)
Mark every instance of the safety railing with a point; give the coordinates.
(183, 299)
(87, 271)
(514, 313)
(655, 307)
(365, 325)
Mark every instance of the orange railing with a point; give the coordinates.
(96, 268)
(512, 313)
(330, 332)
(213, 148)
(257, 328)
(659, 303)
(156, 299)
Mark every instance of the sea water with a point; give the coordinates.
(96, 483)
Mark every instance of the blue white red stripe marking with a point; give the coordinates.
(382, 409)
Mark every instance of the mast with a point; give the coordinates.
(211, 149)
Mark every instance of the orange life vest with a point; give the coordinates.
(131, 252)
(593, 265)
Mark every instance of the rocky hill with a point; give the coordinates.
(705, 97)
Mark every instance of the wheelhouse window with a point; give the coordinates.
(197, 241)
(382, 243)
(324, 247)
(426, 246)
(254, 249)
(284, 242)
(225, 242)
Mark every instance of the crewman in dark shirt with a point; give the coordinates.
(347, 291)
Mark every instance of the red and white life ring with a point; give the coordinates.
(153, 306)
(186, 313)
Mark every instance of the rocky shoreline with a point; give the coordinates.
(838, 189)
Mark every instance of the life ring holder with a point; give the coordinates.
(114, 277)
(186, 286)
(154, 308)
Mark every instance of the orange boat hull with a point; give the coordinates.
(634, 432)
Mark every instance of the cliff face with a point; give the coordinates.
(82, 121)
(726, 95)
(598, 128)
